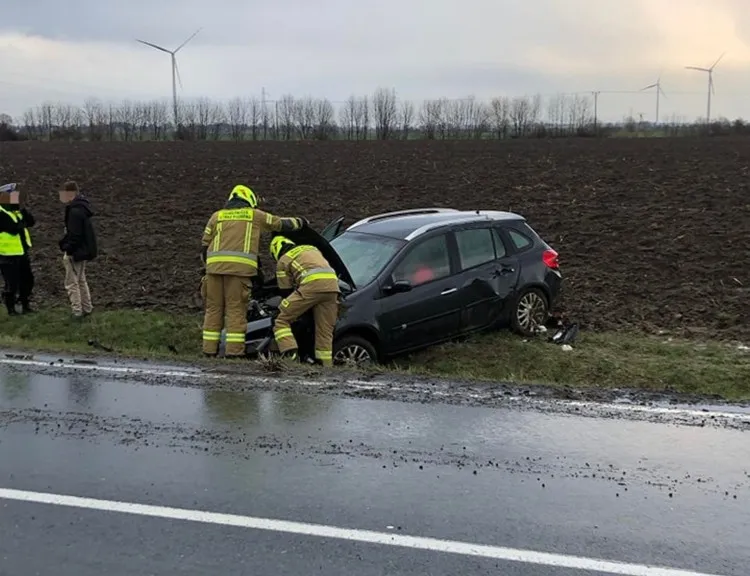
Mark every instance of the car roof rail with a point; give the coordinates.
(476, 216)
(411, 212)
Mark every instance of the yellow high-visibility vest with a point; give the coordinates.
(11, 244)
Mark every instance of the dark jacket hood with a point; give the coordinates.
(237, 203)
(82, 202)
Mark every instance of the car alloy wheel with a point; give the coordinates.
(353, 353)
(531, 311)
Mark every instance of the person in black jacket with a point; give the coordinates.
(15, 243)
(78, 246)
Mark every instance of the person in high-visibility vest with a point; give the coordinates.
(230, 242)
(15, 244)
(305, 270)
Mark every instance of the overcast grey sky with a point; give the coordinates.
(72, 49)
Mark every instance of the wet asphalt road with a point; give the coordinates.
(612, 489)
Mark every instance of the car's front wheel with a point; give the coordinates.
(354, 350)
(530, 312)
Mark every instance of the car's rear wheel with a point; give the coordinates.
(530, 311)
(354, 350)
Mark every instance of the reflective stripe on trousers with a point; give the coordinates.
(318, 274)
(232, 256)
(325, 356)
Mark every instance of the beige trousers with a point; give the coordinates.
(76, 286)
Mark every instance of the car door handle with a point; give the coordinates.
(448, 291)
(504, 271)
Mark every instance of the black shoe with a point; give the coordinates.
(26, 307)
(10, 304)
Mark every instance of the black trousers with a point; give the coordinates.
(19, 279)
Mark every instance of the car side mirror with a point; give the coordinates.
(398, 287)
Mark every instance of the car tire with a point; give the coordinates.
(531, 309)
(355, 349)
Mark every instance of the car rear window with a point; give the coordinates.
(520, 241)
(365, 255)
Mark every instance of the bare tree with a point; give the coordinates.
(579, 114)
(216, 121)
(553, 115)
(406, 117)
(323, 119)
(125, 119)
(256, 116)
(453, 119)
(204, 118)
(535, 112)
(363, 118)
(286, 107)
(303, 113)
(384, 109)
(500, 116)
(142, 119)
(237, 118)
(30, 125)
(159, 119)
(348, 119)
(477, 118)
(520, 109)
(188, 114)
(430, 117)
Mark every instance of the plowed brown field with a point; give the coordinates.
(653, 234)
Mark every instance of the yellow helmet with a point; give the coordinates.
(245, 193)
(277, 242)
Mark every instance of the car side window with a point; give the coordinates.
(500, 250)
(520, 241)
(425, 262)
(475, 247)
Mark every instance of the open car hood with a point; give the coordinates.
(313, 238)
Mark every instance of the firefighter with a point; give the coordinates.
(230, 252)
(15, 243)
(305, 270)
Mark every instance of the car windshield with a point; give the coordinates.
(365, 255)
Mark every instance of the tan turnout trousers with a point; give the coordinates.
(225, 296)
(76, 286)
(325, 307)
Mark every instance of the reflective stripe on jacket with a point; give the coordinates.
(304, 267)
(12, 244)
(232, 238)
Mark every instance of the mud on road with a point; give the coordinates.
(625, 404)
(230, 427)
(654, 234)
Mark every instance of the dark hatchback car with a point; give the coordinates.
(415, 278)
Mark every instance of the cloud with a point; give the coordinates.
(333, 48)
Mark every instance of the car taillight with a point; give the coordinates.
(551, 259)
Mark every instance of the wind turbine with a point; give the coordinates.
(175, 69)
(711, 89)
(659, 92)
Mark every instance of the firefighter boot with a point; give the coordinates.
(290, 355)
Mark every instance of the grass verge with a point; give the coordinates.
(608, 360)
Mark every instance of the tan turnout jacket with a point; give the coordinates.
(232, 236)
(306, 269)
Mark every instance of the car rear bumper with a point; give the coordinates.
(553, 279)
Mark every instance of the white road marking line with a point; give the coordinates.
(366, 536)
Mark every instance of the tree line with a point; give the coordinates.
(380, 116)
